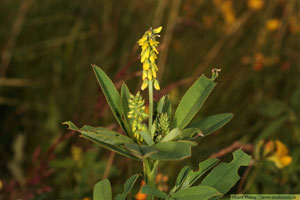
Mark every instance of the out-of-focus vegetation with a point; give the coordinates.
(47, 48)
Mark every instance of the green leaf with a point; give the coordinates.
(152, 191)
(105, 138)
(191, 143)
(272, 108)
(171, 150)
(212, 123)
(152, 131)
(181, 178)
(141, 151)
(192, 101)
(111, 93)
(193, 176)
(160, 104)
(224, 176)
(147, 137)
(164, 106)
(127, 187)
(71, 125)
(187, 177)
(108, 136)
(125, 95)
(102, 190)
(100, 134)
(295, 99)
(272, 128)
(172, 135)
(186, 134)
(196, 193)
(191, 134)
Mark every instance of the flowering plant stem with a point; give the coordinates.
(150, 171)
(167, 137)
(150, 106)
(150, 166)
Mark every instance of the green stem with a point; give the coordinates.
(150, 83)
(150, 171)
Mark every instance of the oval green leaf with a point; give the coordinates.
(102, 190)
(212, 123)
(111, 94)
(192, 101)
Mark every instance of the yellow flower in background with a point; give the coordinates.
(1, 184)
(225, 6)
(228, 12)
(269, 147)
(86, 198)
(255, 4)
(280, 157)
(76, 153)
(272, 24)
(148, 56)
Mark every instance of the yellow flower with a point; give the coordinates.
(144, 85)
(269, 147)
(1, 184)
(281, 156)
(272, 24)
(148, 56)
(156, 85)
(76, 153)
(255, 4)
(157, 30)
(146, 66)
(137, 113)
(229, 17)
(86, 198)
(142, 40)
(225, 6)
(228, 12)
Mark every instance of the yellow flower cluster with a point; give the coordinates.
(137, 113)
(273, 24)
(255, 4)
(76, 153)
(148, 56)
(226, 9)
(278, 153)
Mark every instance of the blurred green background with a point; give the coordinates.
(47, 48)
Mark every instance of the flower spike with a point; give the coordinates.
(148, 56)
(137, 113)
